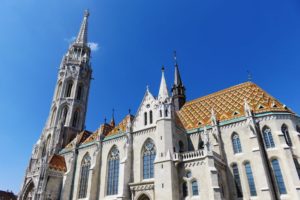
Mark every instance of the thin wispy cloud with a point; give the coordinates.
(93, 45)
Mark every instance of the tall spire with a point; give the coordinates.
(112, 121)
(163, 89)
(178, 90)
(177, 79)
(82, 35)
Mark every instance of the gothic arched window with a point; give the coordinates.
(145, 118)
(286, 134)
(64, 114)
(268, 138)
(84, 176)
(250, 178)
(237, 148)
(151, 116)
(75, 119)
(149, 154)
(237, 180)
(53, 116)
(79, 92)
(195, 190)
(69, 89)
(278, 176)
(58, 91)
(113, 171)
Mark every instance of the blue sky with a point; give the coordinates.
(217, 41)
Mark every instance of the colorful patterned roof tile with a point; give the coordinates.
(79, 139)
(121, 127)
(228, 104)
(58, 163)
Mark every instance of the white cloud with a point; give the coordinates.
(94, 46)
(70, 40)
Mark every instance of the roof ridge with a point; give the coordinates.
(211, 95)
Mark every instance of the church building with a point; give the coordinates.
(239, 143)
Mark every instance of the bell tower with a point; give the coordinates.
(69, 104)
(66, 117)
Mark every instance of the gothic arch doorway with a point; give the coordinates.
(143, 197)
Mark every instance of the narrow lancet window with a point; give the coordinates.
(149, 154)
(268, 138)
(113, 172)
(195, 190)
(69, 89)
(145, 118)
(237, 148)
(151, 116)
(237, 180)
(84, 176)
(286, 134)
(250, 178)
(278, 176)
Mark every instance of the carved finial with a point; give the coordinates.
(86, 13)
(162, 68)
(175, 57)
(147, 88)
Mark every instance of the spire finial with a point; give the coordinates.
(112, 121)
(105, 119)
(82, 35)
(162, 68)
(175, 57)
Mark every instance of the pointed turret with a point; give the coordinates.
(178, 90)
(112, 121)
(163, 89)
(82, 35)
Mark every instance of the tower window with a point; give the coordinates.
(58, 90)
(160, 113)
(250, 179)
(64, 114)
(79, 92)
(268, 138)
(145, 118)
(298, 128)
(84, 176)
(237, 148)
(53, 116)
(278, 176)
(286, 134)
(237, 180)
(75, 119)
(166, 113)
(113, 172)
(151, 116)
(69, 89)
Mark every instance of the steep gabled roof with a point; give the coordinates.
(121, 127)
(228, 104)
(58, 163)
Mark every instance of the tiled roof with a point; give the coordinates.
(228, 104)
(58, 163)
(80, 138)
(121, 127)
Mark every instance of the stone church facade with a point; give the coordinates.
(238, 143)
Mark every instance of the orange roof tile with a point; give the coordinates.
(227, 104)
(121, 127)
(57, 162)
(80, 138)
